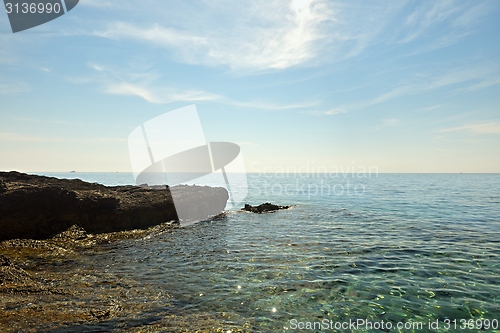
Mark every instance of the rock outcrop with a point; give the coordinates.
(263, 208)
(38, 207)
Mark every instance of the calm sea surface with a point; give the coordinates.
(380, 250)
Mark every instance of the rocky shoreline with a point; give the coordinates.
(50, 229)
(47, 285)
(38, 207)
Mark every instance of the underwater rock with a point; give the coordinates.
(38, 207)
(264, 208)
(14, 279)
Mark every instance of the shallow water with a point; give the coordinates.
(396, 248)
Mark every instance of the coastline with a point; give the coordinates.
(399, 247)
(49, 225)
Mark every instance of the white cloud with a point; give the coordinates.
(147, 86)
(158, 95)
(96, 67)
(337, 110)
(260, 35)
(144, 85)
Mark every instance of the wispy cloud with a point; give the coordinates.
(426, 15)
(147, 85)
(268, 105)
(26, 138)
(389, 122)
(337, 110)
(454, 19)
(483, 84)
(144, 85)
(14, 88)
(16, 137)
(385, 123)
(484, 128)
(33, 120)
(458, 16)
(430, 108)
(472, 78)
(259, 35)
(158, 95)
(272, 35)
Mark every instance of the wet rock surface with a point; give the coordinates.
(263, 208)
(37, 207)
(49, 286)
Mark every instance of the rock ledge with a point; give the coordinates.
(39, 207)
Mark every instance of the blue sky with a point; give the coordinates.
(406, 86)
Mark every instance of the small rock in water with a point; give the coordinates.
(263, 208)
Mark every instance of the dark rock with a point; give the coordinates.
(3, 187)
(264, 208)
(4, 261)
(38, 207)
(100, 314)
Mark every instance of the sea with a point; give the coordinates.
(353, 253)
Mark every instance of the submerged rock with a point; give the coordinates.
(264, 208)
(38, 207)
(14, 279)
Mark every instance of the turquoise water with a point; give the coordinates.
(389, 249)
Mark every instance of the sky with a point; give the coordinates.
(400, 86)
